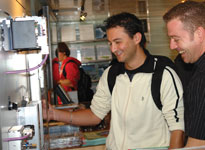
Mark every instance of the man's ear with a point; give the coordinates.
(137, 37)
(200, 31)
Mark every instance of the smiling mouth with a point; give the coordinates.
(118, 53)
(181, 52)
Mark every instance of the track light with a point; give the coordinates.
(83, 16)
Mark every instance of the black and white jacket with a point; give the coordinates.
(136, 122)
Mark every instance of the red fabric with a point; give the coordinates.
(59, 100)
(56, 74)
(72, 72)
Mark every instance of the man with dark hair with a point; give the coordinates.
(136, 121)
(186, 29)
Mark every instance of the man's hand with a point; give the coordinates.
(177, 139)
(65, 82)
(48, 111)
(193, 142)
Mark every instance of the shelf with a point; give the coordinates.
(96, 61)
(86, 41)
(93, 51)
(76, 22)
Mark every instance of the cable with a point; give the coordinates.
(28, 70)
(21, 5)
(16, 138)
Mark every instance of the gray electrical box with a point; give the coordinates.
(23, 35)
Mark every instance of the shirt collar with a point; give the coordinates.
(198, 64)
(147, 67)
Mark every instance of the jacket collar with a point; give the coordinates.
(147, 67)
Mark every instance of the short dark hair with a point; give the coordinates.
(190, 13)
(129, 22)
(62, 47)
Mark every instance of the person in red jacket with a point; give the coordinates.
(69, 72)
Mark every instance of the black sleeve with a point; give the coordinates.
(195, 109)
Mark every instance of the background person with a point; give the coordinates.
(186, 29)
(69, 72)
(136, 122)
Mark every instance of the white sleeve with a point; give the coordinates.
(101, 102)
(172, 99)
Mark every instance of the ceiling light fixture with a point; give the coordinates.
(83, 14)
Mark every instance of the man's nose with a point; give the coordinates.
(172, 44)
